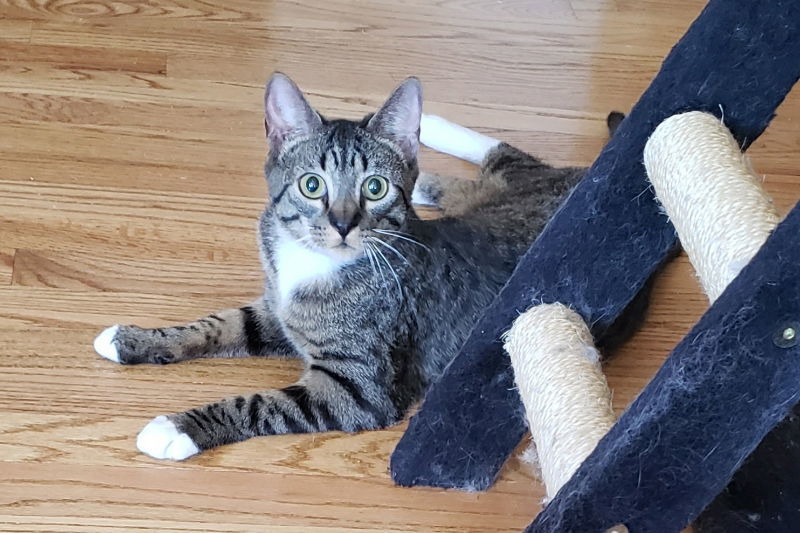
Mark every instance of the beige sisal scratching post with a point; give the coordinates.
(711, 195)
(722, 217)
(566, 397)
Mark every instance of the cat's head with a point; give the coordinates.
(336, 184)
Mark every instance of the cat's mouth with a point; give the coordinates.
(343, 247)
(343, 251)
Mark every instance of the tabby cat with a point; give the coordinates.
(375, 301)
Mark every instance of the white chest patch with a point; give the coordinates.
(297, 265)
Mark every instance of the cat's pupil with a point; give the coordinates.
(312, 184)
(374, 187)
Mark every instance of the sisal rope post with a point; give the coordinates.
(711, 195)
(722, 216)
(566, 397)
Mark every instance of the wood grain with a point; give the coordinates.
(252, 498)
(132, 142)
(234, 275)
(29, 308)
(6, 265)
(179, 224)
(15, 30)
(83, 58)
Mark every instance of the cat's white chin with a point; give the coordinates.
(161, 439)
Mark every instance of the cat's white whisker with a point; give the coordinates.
(402, 236)
(368, 251)
(377, 263)
(394, 231)
(393, 249)
(391, 269)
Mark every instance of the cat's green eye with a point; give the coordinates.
(375, 187)
(312, 186)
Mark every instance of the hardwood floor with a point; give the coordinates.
(131, 146)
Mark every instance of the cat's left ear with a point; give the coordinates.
(398, 119)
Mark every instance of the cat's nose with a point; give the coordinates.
(344, 224)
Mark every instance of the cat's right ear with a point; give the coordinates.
(287, 114)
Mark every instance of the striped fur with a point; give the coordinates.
(376, 328)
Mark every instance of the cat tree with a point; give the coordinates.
(724, 387)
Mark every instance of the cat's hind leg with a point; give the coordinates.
(453, 139)
(500, 163)
(456, 196)
(452, 195)
(238, 332)
(447, 137)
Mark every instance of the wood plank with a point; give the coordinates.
(169, 177)
(83, 57)
(128, 493)
(126, 86)
(6, 265)
(635, 35)
(30, 308)
(81, 11)
(210, 122)
(66, 269)
(82, 218)
(298, 14)
(128, 145)
(15, 30)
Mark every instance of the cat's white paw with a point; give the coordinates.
(419, 197)
(162, 440)
(104, 344)
(444, 136)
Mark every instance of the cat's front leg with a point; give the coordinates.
(248, 330)
(332, 395)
